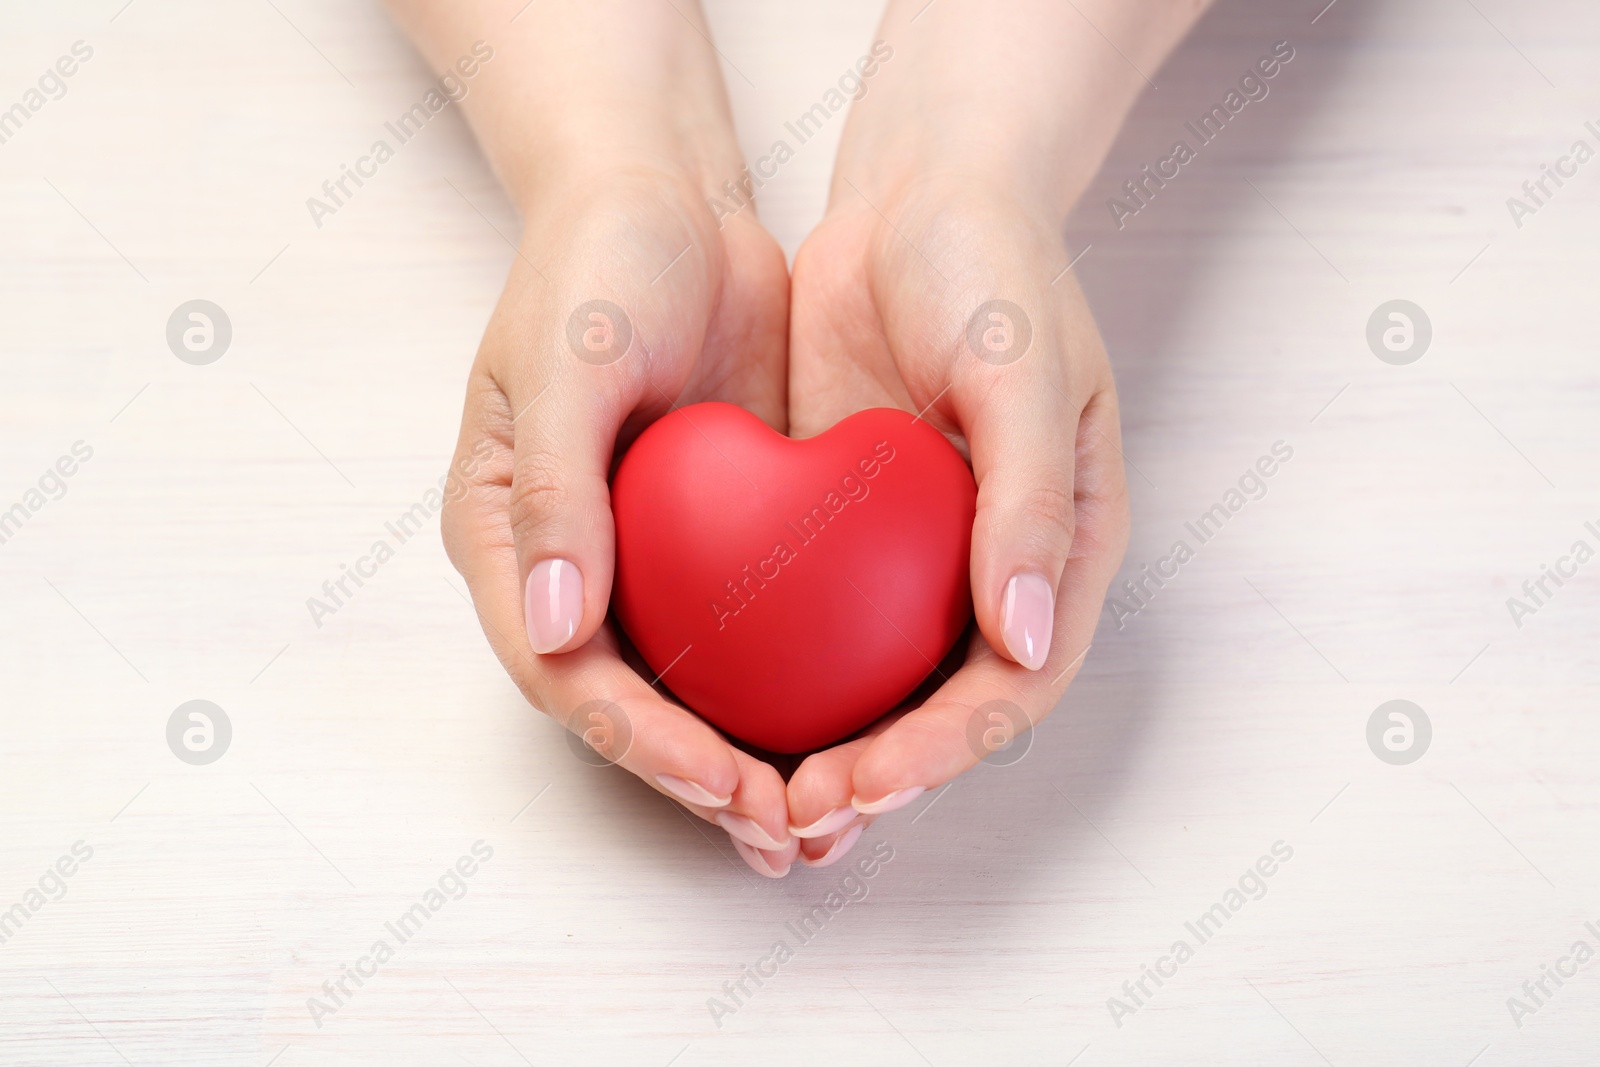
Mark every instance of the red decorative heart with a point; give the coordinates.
(791, 592)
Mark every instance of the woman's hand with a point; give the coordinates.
(938, 283)
(533, 533)
(608, 125)
(899, 304)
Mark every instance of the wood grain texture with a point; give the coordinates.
(371, 753)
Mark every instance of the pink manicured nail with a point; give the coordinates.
(746, 829)
(552, 604)
(898, 799)
(1026, 616)
(760, 861)
(846, 842)
(692, 792)
(831, 823)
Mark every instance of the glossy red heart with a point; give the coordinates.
(791, 592)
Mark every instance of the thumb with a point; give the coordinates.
(563, 433)
(1021, 437)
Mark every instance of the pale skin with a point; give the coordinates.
(607, 122)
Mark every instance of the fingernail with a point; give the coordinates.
(898, 799)
(749, 831)
(759, 860)
(552, 604)
(1026, 616)
(831, 823)
(846, 842)
(692, 792)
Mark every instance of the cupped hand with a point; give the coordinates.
(625, 300)
(950, 298)
(608, 122)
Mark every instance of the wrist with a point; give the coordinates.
(597, 147)
(580, 89)
(884, 168)
(1027, 97)
(1041, 149)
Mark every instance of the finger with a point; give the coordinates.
(750, 814)
(767, 847)
(565, 424)
(820, 813)
(768, 864)
(1020, 420)
(953, 730)
(819, 791)
(826, 851)
(758, 815)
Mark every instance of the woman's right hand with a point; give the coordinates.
(692, 313)
(608, 124)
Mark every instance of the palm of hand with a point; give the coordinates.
(879, 318)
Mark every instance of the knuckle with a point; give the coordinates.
(465, 521)
(539, 493)
(931, 731)
(1047, 511)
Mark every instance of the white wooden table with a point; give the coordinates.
(1227, 715)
